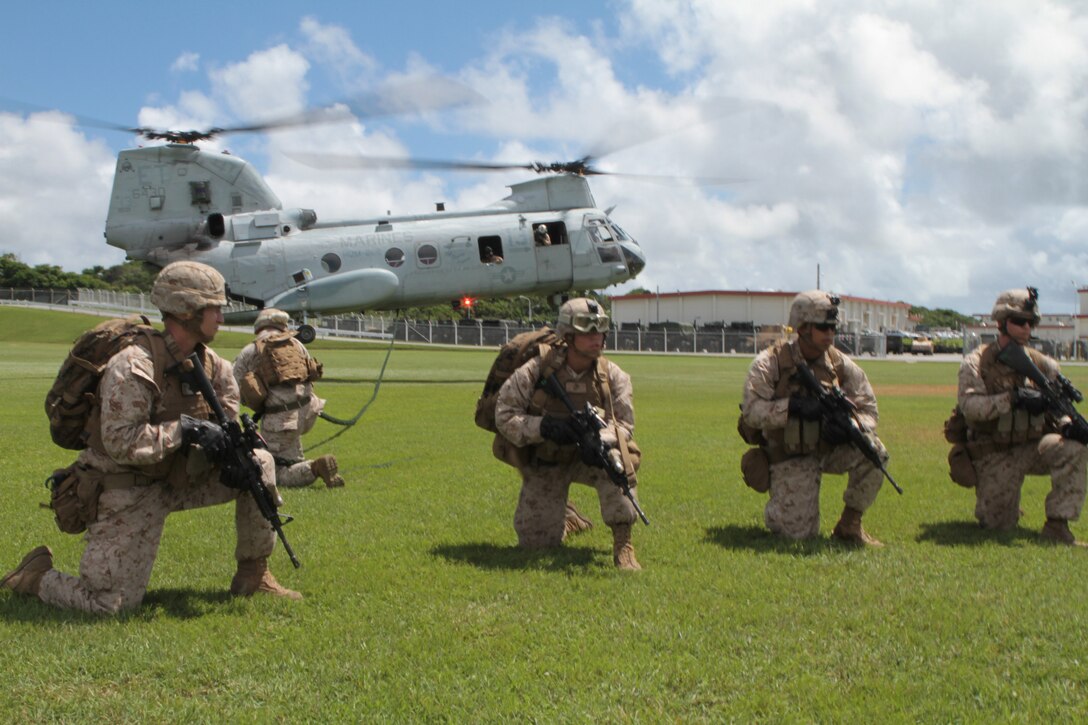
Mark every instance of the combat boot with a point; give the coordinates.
(27, 577)
(326, 469)
(623, 551)
(1056, 531)
(575, 523)
(253, 577)
(849, 529)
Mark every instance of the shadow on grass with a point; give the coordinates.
(493, 556)
(758, 538)
(176, 603)
(969, 533)
(183, 603)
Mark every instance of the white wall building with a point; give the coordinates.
(764, 309)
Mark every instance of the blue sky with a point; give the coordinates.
(917, 151)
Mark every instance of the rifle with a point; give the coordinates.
(1060, 394)
(588, 424)
(240, 468)
(838, 411)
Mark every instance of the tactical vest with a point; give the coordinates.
(1016, 426)
(592, 387)
(281, 360)
(799, 437)
(171, 399)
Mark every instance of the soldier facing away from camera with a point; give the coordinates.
(796, 444)
(1009, 433)
(275, 374)
(148, 438)
(538, 424)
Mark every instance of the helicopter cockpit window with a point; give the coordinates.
(394, 257)
(200, 192)
(609, 253)
(620, 234)
(427, 254)
(331, 262)
(599, 231)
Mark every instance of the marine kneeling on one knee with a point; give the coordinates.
(150, 450)
(794, 442)
(535, 420)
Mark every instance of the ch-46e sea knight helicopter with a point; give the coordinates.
(175, 201)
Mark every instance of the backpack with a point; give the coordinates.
(283, 361)
(512, 356)
(69, 403)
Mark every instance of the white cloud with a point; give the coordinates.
(186, 63)
(924, 151)
(54, 190)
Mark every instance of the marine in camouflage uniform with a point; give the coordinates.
(1009, 433)
(288, 409)
(148, 438)
(795, 447)
(537, 424)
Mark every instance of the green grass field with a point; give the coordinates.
(420, 608)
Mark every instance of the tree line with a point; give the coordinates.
(127, 277)
(134, 276)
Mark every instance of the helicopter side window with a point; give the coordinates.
(200, 192)
(490, 249)
(427, 254)
(394, 257)
(331, 262)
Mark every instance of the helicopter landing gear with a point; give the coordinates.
(306, 334)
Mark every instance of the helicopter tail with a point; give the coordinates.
(173, 195)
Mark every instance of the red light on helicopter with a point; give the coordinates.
(467, 302)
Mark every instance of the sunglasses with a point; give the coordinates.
(1022, 322)
(825, 326)
(590, 323)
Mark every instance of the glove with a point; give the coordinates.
(558, 430)
(205, 434)
(1075, 432)
(1029, 399)
(588, 450)
(805, 408)
(835, 433)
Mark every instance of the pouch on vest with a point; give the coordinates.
(960, 468)
(73, 497)
(756, 468)
(751, 436)
(508, 453)
(253, 391)
(955, 428)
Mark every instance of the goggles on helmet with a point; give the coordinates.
(590, 323)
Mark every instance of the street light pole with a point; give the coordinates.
(530, 303)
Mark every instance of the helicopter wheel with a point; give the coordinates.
(306, 334)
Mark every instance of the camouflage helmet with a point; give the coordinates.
(1017, 302)
(580, 315)
(185, 288)
(271, 317)
(814, 306)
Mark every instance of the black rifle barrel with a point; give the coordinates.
(588, 422)
(242, 450)
(1059, 395)
(841, 411)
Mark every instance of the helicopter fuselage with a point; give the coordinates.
(177, 202)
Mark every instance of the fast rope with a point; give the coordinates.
(348, 423)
